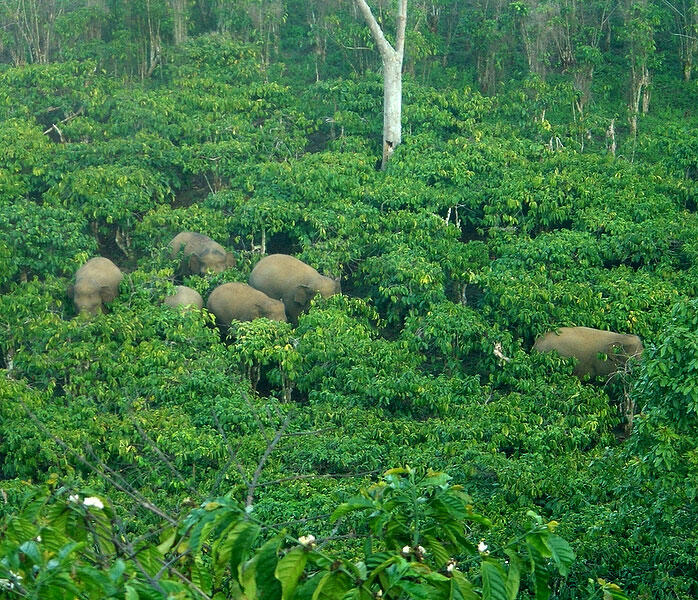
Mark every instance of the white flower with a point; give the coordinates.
(307, 540)
(421, 549)
(93, 501)
(74, 498)
(450, 566)
(38, 538)
(482, 547)
(9, 584)
(406, 551)
(379, 594)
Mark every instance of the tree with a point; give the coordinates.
(686, 21)
(392, 75)
(639, 29)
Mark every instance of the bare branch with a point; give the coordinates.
(258, 471)
(384, 46)
(233, 457)
(315, 476)
(163, 458)
(141, 500)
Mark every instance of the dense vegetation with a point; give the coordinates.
(548, 177)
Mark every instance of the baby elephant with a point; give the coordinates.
(201, 254)
(291, 280)
(240, 302)
(184, 296)
(96, 282)
(585, 344)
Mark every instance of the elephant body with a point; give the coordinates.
(585, 344)
(201, 254)
(185, 296)
(240, 302)
(96, 283)
(291, 281)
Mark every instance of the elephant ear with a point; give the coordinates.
(70, 290)
(107, 293)
(194, 264)
(302, 294)
(229, 260)
(616, 352)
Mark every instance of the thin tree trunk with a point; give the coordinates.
(179, 21)
(392, 75)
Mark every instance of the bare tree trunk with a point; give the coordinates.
(686, 17)
(94, 28)
(392, 75)
(179, 20)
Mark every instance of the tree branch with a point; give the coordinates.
(267, 452)
(401, 25)
(384, 46)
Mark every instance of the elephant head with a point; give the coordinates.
(96, 283)
(210, 261)
(200, 254)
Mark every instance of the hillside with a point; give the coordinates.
(528, 194)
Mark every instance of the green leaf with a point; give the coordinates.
(562, 553)
(357, 503)
(461, 588)
(166, 544)
(288, 571)
(258, 572)
(541, 577)
(493, 581)
(534, 540)
(514, 574)
(233, 549)
(332, 586)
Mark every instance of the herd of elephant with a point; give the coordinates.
(281, 288)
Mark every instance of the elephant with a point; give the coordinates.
(240, 302)
(96, 283)
(184, 296)
(586, 344)
(201, 254)
(288, 279)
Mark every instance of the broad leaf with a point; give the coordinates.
(289, 569)
(493, 581)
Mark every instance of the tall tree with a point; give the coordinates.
(685, 13)
(639, 29)
(179, 20)
(577, 35)
(392, 75)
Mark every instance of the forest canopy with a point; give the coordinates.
(402, 438)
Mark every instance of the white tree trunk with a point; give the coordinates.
(392, 75)
(392, 107)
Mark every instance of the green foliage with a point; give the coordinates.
(499, 217)
(64, 539)
(23, 162)
(110, 195)
(42, 239)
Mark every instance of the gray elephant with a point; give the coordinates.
(292, 281)
(240, 302)
(184, 296)
(586, 344)
(96, 283)
(201, 254)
